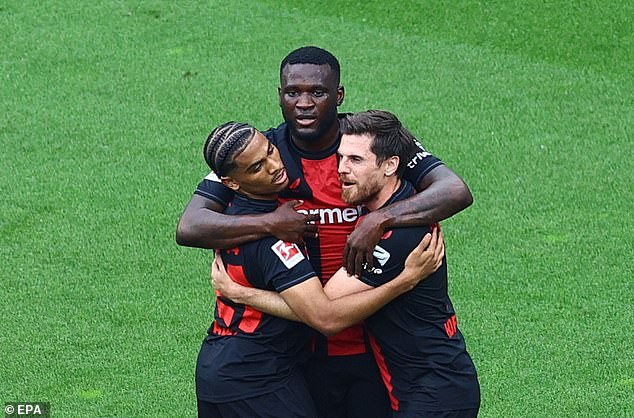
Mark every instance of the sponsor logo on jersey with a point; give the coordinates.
(418, 157)
(333, 215)
(288, 252)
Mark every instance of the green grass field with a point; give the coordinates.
(104, 107)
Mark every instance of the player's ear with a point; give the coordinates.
(340, 95)
(230, 183)
(391, 165)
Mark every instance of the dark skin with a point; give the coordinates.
(309, 96)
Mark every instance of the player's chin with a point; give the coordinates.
(280, 186)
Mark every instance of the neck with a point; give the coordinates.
(389, 188)
(272, 196)
(318, 145)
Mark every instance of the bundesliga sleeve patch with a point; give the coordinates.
(288, 252)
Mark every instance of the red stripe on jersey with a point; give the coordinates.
(348, 342)
(337, 218)
(385, 373)
(251, 317)
(337, 221)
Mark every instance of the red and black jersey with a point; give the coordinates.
(253, 353)
(415, 338)
(313, 178)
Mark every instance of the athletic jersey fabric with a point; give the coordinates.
(313, 178)
(417, 344)
(253, 353)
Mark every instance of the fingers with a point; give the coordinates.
(359, 261)
(440, 252)
(368, 263)
(426, 242)
(350, 261)
(314, 217)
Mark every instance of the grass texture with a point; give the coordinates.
(104, 107)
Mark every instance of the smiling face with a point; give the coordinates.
(309, 96)
(363, 181)
(259, 171)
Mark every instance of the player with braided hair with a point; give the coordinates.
(248, 365)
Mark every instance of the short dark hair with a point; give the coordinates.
(391, 138)
(224, 143)
(312, 55)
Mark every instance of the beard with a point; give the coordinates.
(361, 193)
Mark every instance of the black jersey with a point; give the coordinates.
(313, 178)
(253, 353)
(417, 344)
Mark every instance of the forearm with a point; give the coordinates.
(348, 310)
(208, 229)
(440, 200)
(265, 301)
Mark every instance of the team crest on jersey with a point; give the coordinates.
(288, 252)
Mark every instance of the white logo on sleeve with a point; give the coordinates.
(381, 255)
(288, 252)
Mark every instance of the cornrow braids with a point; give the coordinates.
(224, 143)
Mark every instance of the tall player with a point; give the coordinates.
(248, 365)
(344, 379)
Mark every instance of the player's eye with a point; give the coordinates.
(319, 93)
(270, 150)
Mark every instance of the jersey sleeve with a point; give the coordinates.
(421, 164)
(283, 264)
(390, 254)
(211, 188)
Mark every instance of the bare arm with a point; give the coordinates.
(309, 303)
(203, 225)
(263, 300)
(443, 195)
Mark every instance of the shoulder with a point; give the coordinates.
(391, 252)
(277, 135)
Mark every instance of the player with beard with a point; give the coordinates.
(343, 376)
(248, 364)
(415, 338)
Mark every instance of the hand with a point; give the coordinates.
(222, 282)
(287, 224)
(426, 258)
(361, 242)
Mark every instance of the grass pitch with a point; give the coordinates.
(104, 107)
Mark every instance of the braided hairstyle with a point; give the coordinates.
(225, 143)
